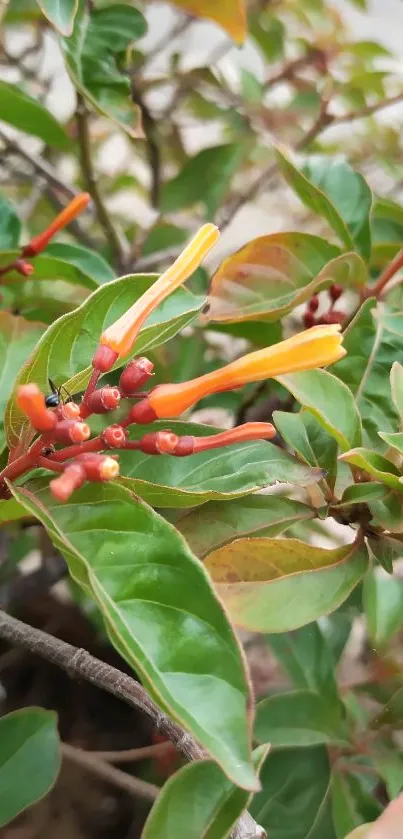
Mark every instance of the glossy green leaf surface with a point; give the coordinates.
(27, 114)
(199, 801)
(29, 759)
(353, 804)
(222, 474)
(396, 386)
(160, 611)
(10, 225)
(88, 261)
(294, 802)
(300, 718)
(371, 350)
(99, 35)
(335, 191)
(66, 349)
(310, 441)
(259, 578)
(215, 524)
(271, 275)
(204, 178)
(307, 658)
(52, 268)
(60, 13)
(383, 605)
(18, 337)
(330, 401)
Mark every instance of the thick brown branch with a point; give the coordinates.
(79, 663)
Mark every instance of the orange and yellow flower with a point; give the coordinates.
(316, 347)
(74, 208)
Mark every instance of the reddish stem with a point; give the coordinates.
(46, 463)
(85, 412)
(94, 445)
(386, 275)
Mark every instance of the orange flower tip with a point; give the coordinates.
(24, 268)
(70, 410)
(64, 485)
(135, 375)
(74, 208)
(71, 431)
(241, 434)
(114, 437)
(31, 402)
(98, 467)
(143, 413)
(104, 358)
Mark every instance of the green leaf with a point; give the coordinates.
(66, 348)
(352, 803)
(387, 512)
(268, 31)
(17, 339)
(98, 37)
(330, 401)
(275, 585)
(383, 606)
(362, 493)
(233, 471)
(396, 386)
(303, 433)
(333, 190)
(271, 275)
(29, 759)
(307, 658)
(389, 764)
(294, 802)
(60, 13)
(215, 524)
(27, 114)
(10, 510)
(89, 262)
(394, 441)
(300, 718)
(160, 612)
(49, 268)
(371, 350)
(376, 465)
(200, 801)
(204, 178)
(10, 225)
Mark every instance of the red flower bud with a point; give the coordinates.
(114, 437)
(334, 316)
(103, 400)
(159, 442)
(313, 303)
(70, 410)
(64, 485)
(23, 267)
(135, 375)
(31, 401)
(142, 413)
(309, 320)
(71, 431)
(73, 209)
(98, 467)
(335, 291)
(104, 358)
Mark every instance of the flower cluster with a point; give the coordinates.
(65, 445)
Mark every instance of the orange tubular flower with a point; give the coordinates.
(316, 347)
(121, 335)
(31, 402)
(73, 209)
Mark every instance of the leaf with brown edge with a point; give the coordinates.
(271, 275)
(374, 464)
(276, 585)
(230, 14)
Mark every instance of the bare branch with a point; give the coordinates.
(79, 663)
(87, 760)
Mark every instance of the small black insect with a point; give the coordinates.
(55, 398)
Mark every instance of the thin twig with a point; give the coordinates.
(40, 166)
(152, 144)
(79, 663)
(177, 29)
(394, 266)
(134, 755)
(93, 764)
(84, 141)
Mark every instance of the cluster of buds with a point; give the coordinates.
(38, 243)
(332, 315)
(65, 444)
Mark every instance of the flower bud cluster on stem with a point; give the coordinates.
(64, 444)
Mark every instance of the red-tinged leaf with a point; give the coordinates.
(230, 14)
(275, 585)
(160, 611)
(271, 275)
